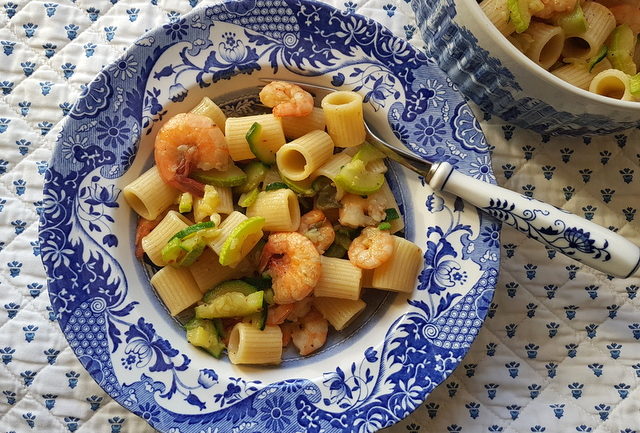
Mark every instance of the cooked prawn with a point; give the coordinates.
(287, 328)
(188, 141)
(287, 99)
(144, 227)
(357, 211)
(277, 314)
(553, 7)
(315, 225)
(311, 332)
(627, 14)
(294, 265)
(371, 249)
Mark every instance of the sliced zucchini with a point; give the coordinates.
(301, 187)
(392, 214)
(192, 247)
(343, 238)
(634, 85)
(193, 229)
(233, 176)
(384, 226)
(326, 193)
(239, 286)
(256, 144)
(573, 22)
(621, 49)
(246, 199)
(335, 250)
(241, 240)
(261, 321)
(355, 178)
(253, 259)
(172, 251)
(268, 296)
(275, 186)
(205, 206)
(187, 245)
(186, 202)
(368, 153)
(262, 282)
(256, 171)
(231, 304)
(203, 333)
(602, 53)
(519, 14)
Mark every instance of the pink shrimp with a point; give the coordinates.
(188, 141)
(294, 265)
(144, 227)
(277, 314)
(357, 211)
(627, 14)
(315, 225)
(371, 249)
(311, 332)
(553, 7)
(287, 99)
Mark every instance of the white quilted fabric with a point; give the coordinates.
(560, 351)
(516, 378)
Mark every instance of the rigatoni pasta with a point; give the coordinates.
(498, 13)
(546, 44)
(149, 195)
(279, 208)
(226, 227)
(340, 278)
(272, 137)
(249, 345)
(339, 312)
(208, 272)
(600, 22)
(153, 243)
(613, 84)
(580, 74)
(298, 159)
(332, 166)
(295, 127)
(177, 288)
(208, 108)
(344, 118)
(400, 272)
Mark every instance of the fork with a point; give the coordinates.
(573, 236)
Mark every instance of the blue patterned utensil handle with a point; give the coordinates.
(570, 234)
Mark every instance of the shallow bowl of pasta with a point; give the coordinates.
(224, 250)
(556, 67)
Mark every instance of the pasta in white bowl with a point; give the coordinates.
(532, 62)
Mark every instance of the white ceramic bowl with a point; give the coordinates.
(490, 71)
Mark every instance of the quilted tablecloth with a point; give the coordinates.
(560, 351)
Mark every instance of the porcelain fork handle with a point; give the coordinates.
(570, 234)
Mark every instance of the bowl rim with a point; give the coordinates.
(538, 70)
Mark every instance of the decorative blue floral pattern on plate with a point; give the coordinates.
(110, 314)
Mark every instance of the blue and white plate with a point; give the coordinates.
(365, 378)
